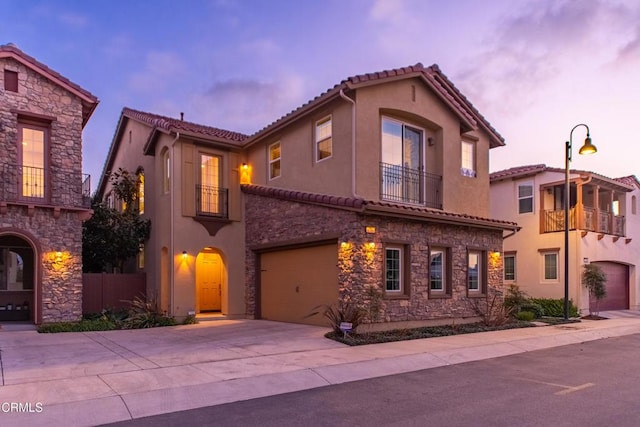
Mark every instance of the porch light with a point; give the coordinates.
(245, 166)
(184, 255)
(587, 148)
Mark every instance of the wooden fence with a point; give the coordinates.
(101, 290)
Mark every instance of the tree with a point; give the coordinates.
(594, 280)
(111, 237)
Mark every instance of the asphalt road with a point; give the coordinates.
(596, 383)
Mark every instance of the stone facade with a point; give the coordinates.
(271, 221)
(51, 225)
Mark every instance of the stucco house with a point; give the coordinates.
(604, 225)
(363, 193)
(44, 196)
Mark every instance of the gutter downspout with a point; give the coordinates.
(172, 190)
(514, 231)
(353, 143)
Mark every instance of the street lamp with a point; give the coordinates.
(587, 148)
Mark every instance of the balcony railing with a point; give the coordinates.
(595, 220)
(38, 186)
(406, 185)
(211, 201)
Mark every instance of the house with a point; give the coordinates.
(603, 224)
(44, 196)
(361, 194)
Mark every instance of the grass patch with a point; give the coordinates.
(419, 333)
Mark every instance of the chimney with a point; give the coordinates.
(181, 116)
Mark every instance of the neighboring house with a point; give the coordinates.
(604, 226)
(375, 191)
(44, 197)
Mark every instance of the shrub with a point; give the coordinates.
(527, 316)
(85, 325)
(342, 312)
(515, 298)
(555, 307)
(190, 320)
(534, 308)
(144, 314)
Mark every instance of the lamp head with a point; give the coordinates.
(588, 147)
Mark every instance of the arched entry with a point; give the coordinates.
(209, 281)
(17, 278)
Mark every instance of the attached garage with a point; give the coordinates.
(617, 287)
(294, 281)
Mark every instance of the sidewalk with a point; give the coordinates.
(86, 379)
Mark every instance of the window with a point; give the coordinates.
(550, 266)
(525, 197)
(274, 160)
(468, 167)
(476, 277)
(402, 168)
(11, 80)
(633, 205)
(212, 198)
(166, 172)
(141, 192)
(393, 269)
(510, 267)
(615, 207)
(141, 256)
(324, 141)
(439, 282)
(31, 148)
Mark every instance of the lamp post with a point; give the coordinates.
(587, 148)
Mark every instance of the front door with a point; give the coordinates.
(209, 281)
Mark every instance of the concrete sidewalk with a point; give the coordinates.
(86, 379)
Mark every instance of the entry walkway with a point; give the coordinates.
(85, 379)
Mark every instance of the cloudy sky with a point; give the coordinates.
(533, 68)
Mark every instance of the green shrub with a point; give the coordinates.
(555, 307)
(534, 308)
(527, 316)
(190, 320)
(515, 298)
(143, 314)
(85, 325)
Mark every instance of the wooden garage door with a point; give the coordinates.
(617, 287)
(294, 281)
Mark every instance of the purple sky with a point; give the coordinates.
(533, 68)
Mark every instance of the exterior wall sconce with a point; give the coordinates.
(431, 142)
(587, 148)
(245, 174)
(184, 255)
(370, 229)
(245, 166)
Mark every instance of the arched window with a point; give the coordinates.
(166, 171)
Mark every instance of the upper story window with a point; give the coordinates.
(212, 198)
(525, 197)
(402, 166)
(324, 140)
(140, 192)
(32, 146)
(274, 160)
(11, 80)
(468, 165)
(166, 172)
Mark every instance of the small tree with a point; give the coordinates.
(594, 280)
(111, 236)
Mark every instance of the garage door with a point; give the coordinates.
(617, 286)
(294, 281)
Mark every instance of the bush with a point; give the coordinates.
(555, 307)
(515, 298)
(85, 325)
(190, 320)
(534, 308)
(143, 314)
(526, 316)
(342, 312)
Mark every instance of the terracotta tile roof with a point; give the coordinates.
(89, 101)
(378, 208)
(631, 181)
(432, 75)
(517, 171)
(176, 125)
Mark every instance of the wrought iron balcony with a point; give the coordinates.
(49, 187)
(407, 185)
(211, 201)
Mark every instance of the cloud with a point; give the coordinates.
(248, 105)
(159, 71)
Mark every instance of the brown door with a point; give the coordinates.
(209, 281)
(293, 282)
(617, 286)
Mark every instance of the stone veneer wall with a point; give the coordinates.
(270, 221)
(61, 297)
